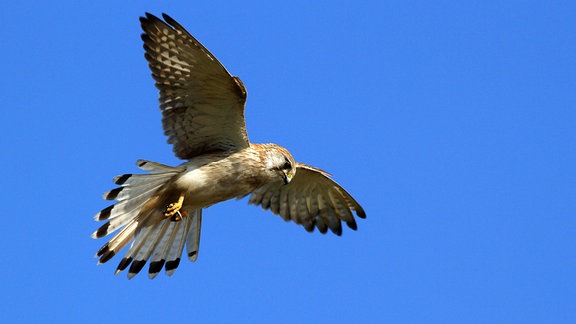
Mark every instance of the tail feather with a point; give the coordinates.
(158, 258)
(193, 237)
(131, 179)
(168, 250)
(155, 167)
(176, 248)
(118, 242)
(141, 220)
(129, 191)
(140, 239)
(124, 211)
(133, 199)
(144, 244)
(117, 222)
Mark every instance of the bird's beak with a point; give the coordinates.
(287, 176)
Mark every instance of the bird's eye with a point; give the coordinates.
(287, 165)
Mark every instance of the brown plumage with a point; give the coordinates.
(203, 116)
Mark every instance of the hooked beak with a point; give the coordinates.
(287, 175)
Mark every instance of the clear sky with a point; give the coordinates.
(453, 123)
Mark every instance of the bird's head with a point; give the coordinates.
(279, 162)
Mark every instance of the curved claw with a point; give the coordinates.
(173, 209)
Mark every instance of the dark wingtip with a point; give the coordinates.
(172, 22)
(148, 17)
(337, 231)
(360, 212)
(168, 19)
(352, 224)
(146, 39)
(145, 22)
(309, 227)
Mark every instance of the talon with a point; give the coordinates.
(174, 208)
(179, 216)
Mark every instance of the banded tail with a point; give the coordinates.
(162, 240)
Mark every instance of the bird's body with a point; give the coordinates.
(206, 180)
(203, 115)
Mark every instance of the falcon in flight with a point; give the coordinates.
(203, 116)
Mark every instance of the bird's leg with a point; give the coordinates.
(174, 209)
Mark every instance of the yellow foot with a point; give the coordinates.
(174, 209)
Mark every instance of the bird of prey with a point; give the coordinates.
(203, 116)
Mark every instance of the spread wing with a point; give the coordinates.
(311, 199)
(202, 104)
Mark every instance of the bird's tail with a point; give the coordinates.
(160, 241)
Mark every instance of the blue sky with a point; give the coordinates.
(451, 122)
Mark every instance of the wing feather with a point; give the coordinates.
(311, 199)
(202, 104)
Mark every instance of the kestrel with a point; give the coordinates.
(203, 116)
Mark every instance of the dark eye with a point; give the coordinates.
(287, 165)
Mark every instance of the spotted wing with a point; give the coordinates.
(202, 104)
(311, 199)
